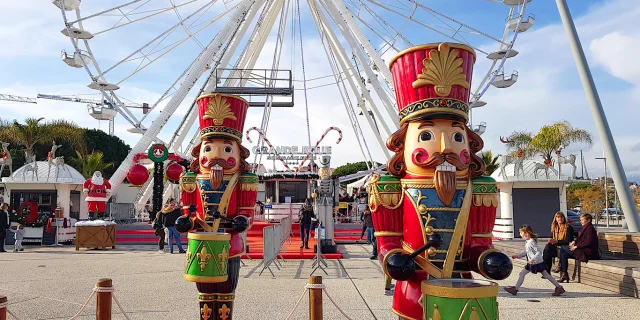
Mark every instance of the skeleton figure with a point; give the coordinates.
(6, 160)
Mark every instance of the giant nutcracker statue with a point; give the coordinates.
(98, 190)
(434, 214)
(219, 195)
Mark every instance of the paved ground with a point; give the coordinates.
(53, 283)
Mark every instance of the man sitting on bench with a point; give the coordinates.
(585, 247)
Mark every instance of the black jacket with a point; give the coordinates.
(306, 213)
(368, 220)
(169, 218)
(4, 220)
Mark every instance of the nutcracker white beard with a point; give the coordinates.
(444, 178)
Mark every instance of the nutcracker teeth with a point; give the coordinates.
(217, 167)
(446, 166)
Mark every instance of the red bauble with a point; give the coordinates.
(174, 171)
(137, 175)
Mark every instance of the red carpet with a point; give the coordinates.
(291, 250)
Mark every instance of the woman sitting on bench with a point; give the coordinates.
(585, 247)
(562, 236)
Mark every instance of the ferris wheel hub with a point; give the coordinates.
(77, 33)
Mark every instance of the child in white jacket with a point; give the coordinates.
(19, 237)
(535, 263)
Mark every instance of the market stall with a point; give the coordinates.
(47, 200)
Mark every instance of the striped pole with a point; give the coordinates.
(318, 143)
(264, 137)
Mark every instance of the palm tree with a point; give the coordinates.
(88, 164)
(553, 138)
(34, 131)
(491, 162)
(519, 141)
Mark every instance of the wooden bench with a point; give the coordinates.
(612, 273)
(620, 245)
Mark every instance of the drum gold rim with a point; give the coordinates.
(209, 236)
(206, 279)
(485, 291)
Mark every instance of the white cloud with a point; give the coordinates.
(617, 53)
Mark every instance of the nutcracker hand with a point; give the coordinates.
(495, 265)
(192, 209)
(240, 224)
(183, 224)
(400, 266)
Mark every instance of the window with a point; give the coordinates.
(297, 190)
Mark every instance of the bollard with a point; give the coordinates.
(315, 299)
(3, 308)
(103, 303)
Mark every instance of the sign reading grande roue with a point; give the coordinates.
(291, 152)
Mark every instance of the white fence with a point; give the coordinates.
(273, 241)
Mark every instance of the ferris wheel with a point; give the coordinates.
(215, 45)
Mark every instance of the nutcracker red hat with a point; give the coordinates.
(433, 80)
(221, 116)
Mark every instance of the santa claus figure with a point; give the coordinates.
(98, 190)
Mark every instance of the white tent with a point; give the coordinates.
(353, 187)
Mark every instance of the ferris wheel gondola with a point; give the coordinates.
(226, 36)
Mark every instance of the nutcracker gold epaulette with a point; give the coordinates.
(248, 182)
(384, 191)
(188, 182)
(485, 192)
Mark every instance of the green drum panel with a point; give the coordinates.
(206, 260)
(452, 308)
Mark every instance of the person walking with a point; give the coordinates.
(4, 225)
(304, 217)
(535, 263)
(158, 225)
(19, 237)
(171, 214)
(561, 235)
(371, 238)
(583, 249)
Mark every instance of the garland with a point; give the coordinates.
(158, 188)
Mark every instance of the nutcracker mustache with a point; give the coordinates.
(444, 179)
(216, 170)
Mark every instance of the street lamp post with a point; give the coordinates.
(600, 119)
(606, 192)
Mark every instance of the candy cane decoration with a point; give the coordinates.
(264, 138)
(318, 142)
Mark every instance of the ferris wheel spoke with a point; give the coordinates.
(159, 11)
(398, 33)
(103, 12)
(170, 48)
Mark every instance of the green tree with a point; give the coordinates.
(556, 137)
(351, 168)
(491, 162)
(114, 150)
(90, 163)
(36, 132)
(519, 141)
(572, 199)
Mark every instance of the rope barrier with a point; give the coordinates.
(93, 293)
(324, 289)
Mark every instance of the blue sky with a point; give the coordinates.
(548, 88)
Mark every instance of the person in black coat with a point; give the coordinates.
(561, 235)
(583, 249)
(4, 225)
(305, 215)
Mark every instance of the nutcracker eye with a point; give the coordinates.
(207, 149)
(227, 149)
(458, 137)
(425, 136)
